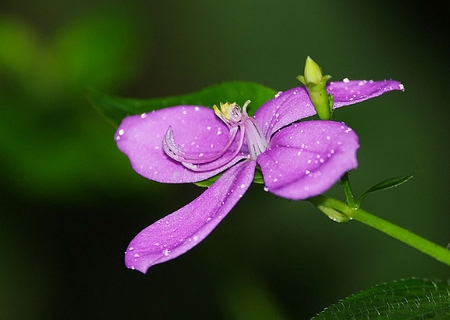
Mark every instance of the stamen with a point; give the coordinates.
(236, 120)
(174, 151)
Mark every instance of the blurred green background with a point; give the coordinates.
(70, 203)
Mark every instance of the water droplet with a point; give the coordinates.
(130, 249)
(299, 153)
(195, 238)
(307, 172)
(275, 180)
(328, 138)
(196, 108)
(136, 255)
(278, 94)
(166, 252)
(242, 186)
(208, 128)
(266, 189)
(346, 80)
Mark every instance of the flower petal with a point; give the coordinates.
(197, 130)
(350, 92)
(285, 108)
(178, 232)
(307, 158)
(295, 104)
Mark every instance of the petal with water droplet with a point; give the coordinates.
(354, 91)
(185, 228)
(141, 139)
(303, 167)
(295, 104)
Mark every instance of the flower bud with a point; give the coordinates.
(315, 84)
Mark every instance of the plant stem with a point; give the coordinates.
(345, 181)
(440, 253)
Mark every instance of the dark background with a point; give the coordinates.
(70, 203)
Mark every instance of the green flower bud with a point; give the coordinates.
(315, 83)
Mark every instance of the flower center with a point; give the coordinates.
(242, 127)
(231, 114)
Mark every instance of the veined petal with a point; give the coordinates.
(292, 105)
(197, 131)
(285, 108)
(180, 231)
(307, 158)
(350, 92)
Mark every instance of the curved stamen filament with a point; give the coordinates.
(236, 120)
(174, 151)
(221, 162)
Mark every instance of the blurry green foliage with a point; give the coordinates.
(51, 137)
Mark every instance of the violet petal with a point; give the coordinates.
(178, 232)
(197, 131)
(350, 92)
(295, 104)
(307, 158)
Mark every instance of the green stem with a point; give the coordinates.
(345, 181)
(332, 205)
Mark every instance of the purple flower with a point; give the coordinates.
(186, 144)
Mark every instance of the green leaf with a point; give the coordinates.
(114, 109)
(258, 178)
(208, 182)
(385, 185)
(411, 299)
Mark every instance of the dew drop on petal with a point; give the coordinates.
(166, 252)
(266, 189)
